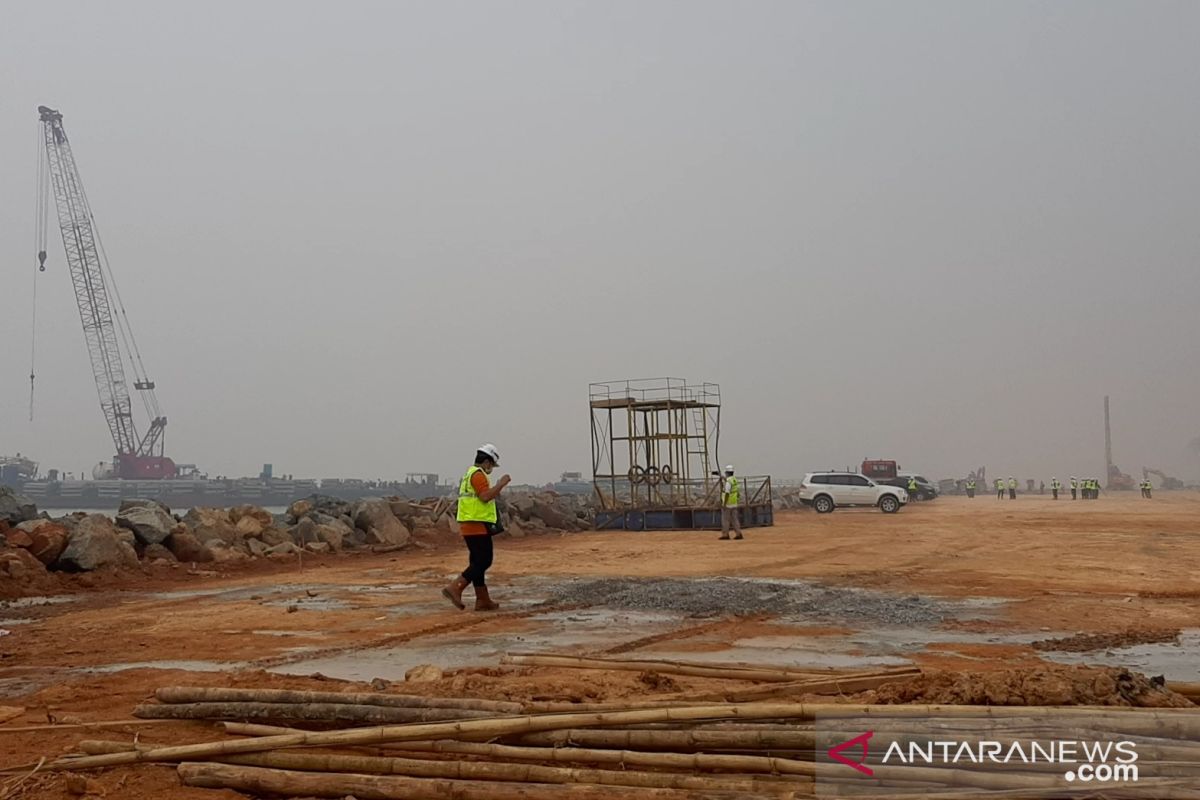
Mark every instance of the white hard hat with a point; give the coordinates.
(490, 451)
(729, 467)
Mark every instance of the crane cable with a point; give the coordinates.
(41, 225)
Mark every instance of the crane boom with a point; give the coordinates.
(136, 457)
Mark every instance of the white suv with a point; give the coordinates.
(825, 491)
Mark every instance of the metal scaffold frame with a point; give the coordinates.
(655, 454)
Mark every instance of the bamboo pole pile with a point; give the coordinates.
(749, 741)
(556, 758)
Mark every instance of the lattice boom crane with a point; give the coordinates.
(106, 328)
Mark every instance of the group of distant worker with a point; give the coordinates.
(1081, 488)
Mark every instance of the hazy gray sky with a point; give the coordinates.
(359, 238)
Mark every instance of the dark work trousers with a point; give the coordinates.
(1073, 493)
(1012, 494)
(1055, 493)
(480, 548)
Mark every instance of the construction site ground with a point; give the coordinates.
(954, 584)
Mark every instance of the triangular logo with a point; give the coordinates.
(861, 740)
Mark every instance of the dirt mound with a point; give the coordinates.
(1052, 686)
(1087, 642)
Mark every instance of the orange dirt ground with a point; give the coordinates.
(1120, 568)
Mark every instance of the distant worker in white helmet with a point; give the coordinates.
(731, 498)
(478, 522)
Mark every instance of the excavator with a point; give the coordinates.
(1165, 480)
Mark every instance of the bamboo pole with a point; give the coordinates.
(255, 729)
(208, 694)
(670, 740)
(463, 770)
(198, 694)
(1189, 690)
(848, 684)
(507, 726)
(902, 780)
(307, 712)
(77, 726)
(255, 780)
(484, 728)
(701, 762)
(770, 739)
(733, 672)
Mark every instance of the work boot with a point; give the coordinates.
(482, 601)
(453, 592)
(724, 536)
(739, 536)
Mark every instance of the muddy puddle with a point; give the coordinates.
(874, 647)
(621, 611)
(1176, 661)
(582, 631)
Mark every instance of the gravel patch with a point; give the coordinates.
(709, 597)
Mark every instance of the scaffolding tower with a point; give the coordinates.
(655, 457)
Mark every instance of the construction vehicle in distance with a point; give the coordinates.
(888, 473)
(105, 324)
(1117, 480)
(878, 469)
(1165, 480)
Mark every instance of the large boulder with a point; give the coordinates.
(47, 539)
(297, 510)
(158, 552)
(15, 537)
(519, 505)
(304, 531)
(142, 502)
(404, 510)
(554, 516)
(273, 536)
(186, 547)
(150, 524)
(375, 518)
(15, 508)
(96, 543)
(250, 527)
(212, 523)
(334, 534)
(316, 502)
(223, 552)
(261, 515)
(19, 565)
(283, 549)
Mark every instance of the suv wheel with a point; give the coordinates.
(888, 504)
(823, 504)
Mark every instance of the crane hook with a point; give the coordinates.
(41, 260)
